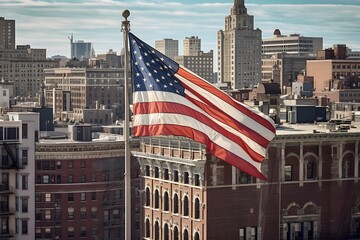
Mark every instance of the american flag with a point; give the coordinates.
(169, 99)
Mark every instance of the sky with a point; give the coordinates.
(48, 23)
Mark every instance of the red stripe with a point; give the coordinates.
(164, 129)
(166, 107)
(213, 90)
(230, 121)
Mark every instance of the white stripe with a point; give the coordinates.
(232, 111)
(161, 96)
(186, 121)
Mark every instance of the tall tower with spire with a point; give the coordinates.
(239, 49)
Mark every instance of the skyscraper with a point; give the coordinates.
(191, 46)
(80, 49)
(239, 49)
(169, 47)
(7, 34)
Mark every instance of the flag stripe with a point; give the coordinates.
(158, 97)
(165, 107)
(216, 150)
(202, 89)
(182, 120)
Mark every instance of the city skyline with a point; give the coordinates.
(47, 24)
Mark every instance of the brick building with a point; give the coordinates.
(312, 190)
(80, 190)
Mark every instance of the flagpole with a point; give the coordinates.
(125, 29)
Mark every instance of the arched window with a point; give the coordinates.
(166, 231)
(157, 231)
(147, 200)
(197, 208)
(186, 235)
(197, 236)
(186, 206)
(147, 228)
(176, 233)
(166, 201)
(176, 203)
(157, 197)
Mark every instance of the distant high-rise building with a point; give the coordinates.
(80, 49)
(292, 44)
(168, 47)
(191, 46)
(239, 49)
(7, 34)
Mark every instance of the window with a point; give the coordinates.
(157, 231)
(288, 172)
(186, 177)
(83, 213)
(176, 176)
(197, 179)
(83, 164)
(38, 214)
(94, 231)
(83, 178)
(197, 208)
(176, 233)
(186, 206)
(70, 213)
(147, 170)
(47, 197)
(147, 228)
(83, 196)
(24, 205)
(24, 226)
(93, 213)
(71, 164)
(93, 196)
(70, 232)
(166, 174)
(116, 214)
(70, 197)
(25, 182)
(156, 172)
(166, 231)
(83, 232)
(176, 203)
(157, 199)
(24, 157)
(93, 177)
(196, 236)
(70, 179)
(106, 215)
(24, 130)
(58, 165)
(48, 214)
(166, 201)
(147, 201)
(310, 170)
(46, 179)
(186, 235)
(37, 197)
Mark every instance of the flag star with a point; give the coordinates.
(165, 67)
(157, 59)
(155, 71)
(157, 80)
(177, 91)
(142, 69)
(149, 74)
(162, 59)
(147, 64)
(175, 81)
(170, 84)
(144, 79)
(133, 41)
(161, 68)
(137, 74)
(145, 54)
(165, 86)
(169, 74)
(136, 63)
(138, 85)
(135, 52)
(153, 51)
(140, 57)
(152, 61)
(162, 77)
(150, 85)
(170, 67)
